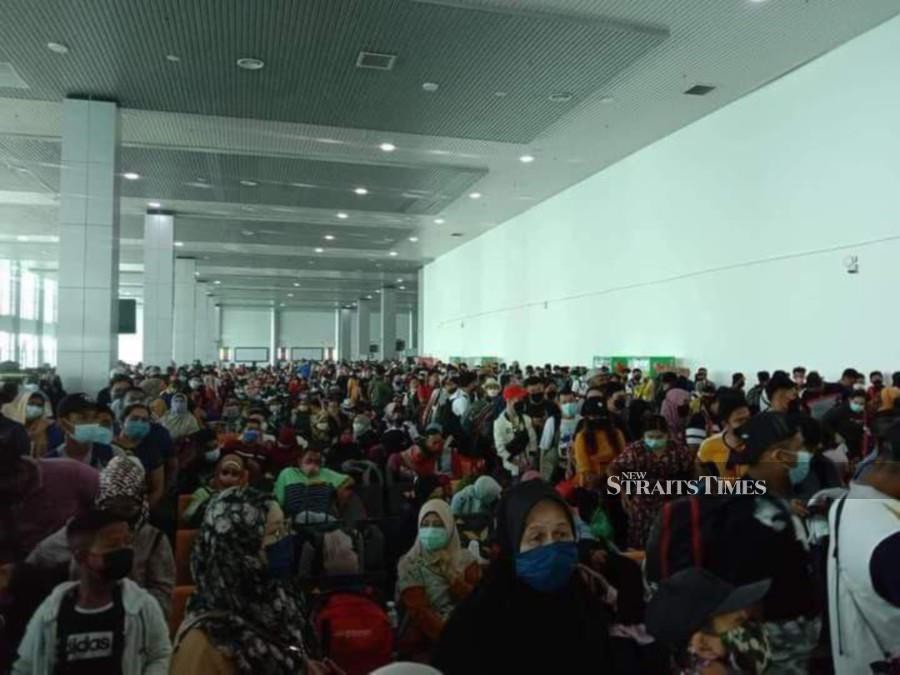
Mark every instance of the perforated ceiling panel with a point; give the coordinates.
(496, 71)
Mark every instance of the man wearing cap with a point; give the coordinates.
(864, 564)
(768, 540)
(709, 617)
(514, 436)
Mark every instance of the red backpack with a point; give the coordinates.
(355, 632)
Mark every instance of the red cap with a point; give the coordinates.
(514, 392)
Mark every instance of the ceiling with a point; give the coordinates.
(261, 167)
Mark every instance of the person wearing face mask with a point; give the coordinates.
(421, 459)
(478, 498)
(310, 487)
(781, 394)
(231, 471)
(537, 407)
(119, 383)
(616, 402)
(532, 613)
(32, 409)
(556, 439)
(704, 422)
(247, 614)
(301, 417)
(850, 420)
(123, 491)
(85, 440)
(706, 622)
(595, 445)
(660, 458)
(514, 436)
(180, 421)
(722, 454)
(231, 420)
(104, 622)
(134, 440)
(433, 578)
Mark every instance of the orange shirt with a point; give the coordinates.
(889, 396)
(586, 464)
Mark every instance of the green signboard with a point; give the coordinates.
(648, 364)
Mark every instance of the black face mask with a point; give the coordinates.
(536, 398)
(117, 564)
(619, 404)
(519, 407)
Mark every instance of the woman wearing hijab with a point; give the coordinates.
(480, 497)
(434, 576)
(180, 421)
(231, 471)
(245, 616)
(32, 409)
(123, 490)
(533, 612)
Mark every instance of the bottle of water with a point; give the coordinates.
(393, 617)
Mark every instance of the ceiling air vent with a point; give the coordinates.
(375, 61)
(10, 79)
(700, 90)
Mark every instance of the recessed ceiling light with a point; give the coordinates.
(361, 191)
(439, 221)
(399, 281)
(196, 274)
(560, 97)
(343, 216)
(22, 237)
(387, 147)
(457, 234)
(377, 292)
(610, 99)
(174, 58)
(248, 233)
(526, 159)
(131, 175)
(154, 205)
(249, 183)
(57, 48)
(249, 63)
(290, 295)
(475, 195)
(430, 87)
(179, 243)
(329, 237)
(296, 284)
(393, 254)
(217, 282)
(500, 94)
(320, 250)
(414, 239)
(402, 288)
(368, 297)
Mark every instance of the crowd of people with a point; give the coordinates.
(348, 517)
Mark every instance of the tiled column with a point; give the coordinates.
(159, 294)
(201, 322)
(342, 319)
(185, 299)
(388, 323)
(362, 338)
(88, 246)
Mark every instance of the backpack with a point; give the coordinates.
(478, 422)
(355, 632)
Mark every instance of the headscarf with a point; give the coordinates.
(675, 399)
(180, 424)
(16, 410)
(124, 477)
(153, 387)
(513, 512)
(256, 619)
(449, 562)
(487, 490)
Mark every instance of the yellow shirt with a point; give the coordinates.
(889, 396)
(713, 450)
(586, 464)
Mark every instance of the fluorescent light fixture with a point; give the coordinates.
(217, 282)
(249, 183)
(174, 58)
(296, 284)
(439, 221)
(361, 191)
(430, 87)
(130, 175)
(154, 205)
(399, 281)
(343, 216)
(329, 237)
(368, 297)
(526, 159)
(22, 237)
(475, 195)
(320, 250)
(402, 288)
(414, 239)
(179, 243)
(393, 254)
(387, 147)
(249, 63)
(290, 295)
(57, 48)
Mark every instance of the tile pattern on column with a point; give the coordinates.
(89, 246)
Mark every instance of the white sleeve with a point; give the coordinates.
(460, 406)
(549, 433)
(158, 648)
(32, 645)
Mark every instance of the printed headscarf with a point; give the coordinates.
(124, 477)
(257, 621)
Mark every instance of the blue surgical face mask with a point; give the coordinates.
(433, 538)
(280, 557)
(212, 456)
(857, 407)
(103, 435)
(654, 443)
(250, 436)
(800, 470)
(32, 412)
(547, 568)
(84, 433)
(569, 409)
(136, 429)
(179, 407)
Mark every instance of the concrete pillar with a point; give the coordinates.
(159, 285)
(217, 322)
(388, 323)
(362, 337)
(274, 328)
(201, 322)
(40, 319)
(420, 313)
(185, 300)
(212, 320)
(88, 245)
(412, 342)
(342, 320)
(15, 302)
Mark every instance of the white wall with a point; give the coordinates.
(245, 327)
(721, 244)
(306, 329)
(131, 346)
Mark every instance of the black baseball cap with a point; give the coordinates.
(688, 599)
(75, 404)
(765, 430)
